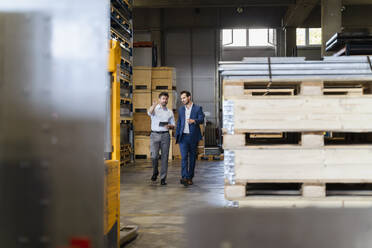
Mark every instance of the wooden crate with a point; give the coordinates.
(141, 123)
(142, 78)
(141, 102)
(310, 162)
(176, 150)
(170, 157)
(163, 78)
(142, 147)
(171, 100)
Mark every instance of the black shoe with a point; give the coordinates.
(184, 182)
(154, 177)
(162, 182)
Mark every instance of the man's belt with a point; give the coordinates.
(160, 131)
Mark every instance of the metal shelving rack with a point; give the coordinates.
(121, 143)
(121, 31)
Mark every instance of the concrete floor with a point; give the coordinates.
(160, 211)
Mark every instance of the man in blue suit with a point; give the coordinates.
(188, 135)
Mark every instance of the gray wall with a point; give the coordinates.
(142, 56)
(207, 18)
(310, 53)
(236, 54)
(193, 53)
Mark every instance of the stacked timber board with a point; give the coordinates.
(307, 145)
(148, 83)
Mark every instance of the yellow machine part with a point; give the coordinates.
(112, 167)
(115, 55)
(112, 203)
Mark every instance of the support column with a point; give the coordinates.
(290, 42)
(280, 47)
(157, 40)
(331, 21)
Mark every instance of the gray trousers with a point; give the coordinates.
(160, 141)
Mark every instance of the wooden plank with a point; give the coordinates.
(309, 140)
(313, 190)
(329, 164)
(236, 140)
(312, 88)
(303, 113)
(347, 91)
(250, 92)
(233, 90)
(235, 192)
(300, 202)
(265, 135)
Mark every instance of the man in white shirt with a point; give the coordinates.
(162, 119)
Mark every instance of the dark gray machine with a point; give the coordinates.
(53, 62)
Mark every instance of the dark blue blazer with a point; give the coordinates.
(197, 115)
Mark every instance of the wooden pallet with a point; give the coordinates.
(142, 147)
(241, 88)
(297, 189)
(211, 157)
(163, 78)
(302, 202)
(258, 144)
(310, 111)
(142, 78)
(177, 157)
(141, 102)
(141, 122)
(308, 195)
(125, 153)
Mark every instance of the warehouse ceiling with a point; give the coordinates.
(230, 3)
(209, 3)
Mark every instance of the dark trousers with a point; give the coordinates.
(188, 153)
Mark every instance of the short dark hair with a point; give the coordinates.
(163, 94)
(185, 92)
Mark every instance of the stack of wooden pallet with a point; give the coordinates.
(148, 83)
(297, 133)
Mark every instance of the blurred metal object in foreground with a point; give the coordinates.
(53, 60)
(289, 228)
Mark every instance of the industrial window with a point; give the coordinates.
(308, 36)
(248, 37)
(234, 37)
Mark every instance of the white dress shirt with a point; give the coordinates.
(187, 116)
(161, 114)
